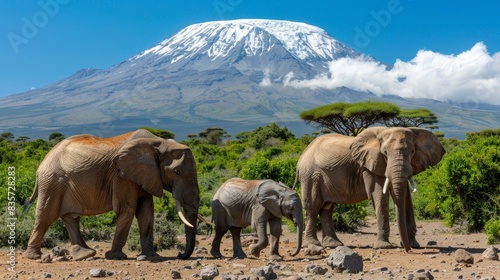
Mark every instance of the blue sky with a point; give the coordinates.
(47, 40)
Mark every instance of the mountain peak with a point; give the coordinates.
(216, 39)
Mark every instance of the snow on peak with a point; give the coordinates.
(217, 39)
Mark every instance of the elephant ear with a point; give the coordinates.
(137, 161)
(428, 150)
(365, 149)
(269, 195)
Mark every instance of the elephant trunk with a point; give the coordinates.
(399, 193)
(190, 231)
(299, 221)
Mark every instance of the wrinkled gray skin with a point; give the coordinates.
(87, 175)
(239, 203)
(342, 169)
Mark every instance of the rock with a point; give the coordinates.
(46, 275)
(202, 250)
(175, 275)
(462, 256)
(196, 263)
(314, 250)
(432, 243)
(61, 259)
(58, 252)
(420, 275)
(344, 258)
(209, 272)
(46, 258)
(265, 271)
(490, 253)
(316, 269)
(97, 272)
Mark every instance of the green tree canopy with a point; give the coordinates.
(214, 135)
(413, 118)
(162, 133)
(350, 118)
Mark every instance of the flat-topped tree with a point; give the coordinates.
(413, 118)
(350, 118)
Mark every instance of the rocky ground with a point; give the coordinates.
(436, 260)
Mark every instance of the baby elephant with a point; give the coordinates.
(239, 203)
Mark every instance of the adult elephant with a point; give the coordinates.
(239, 203)
(341, 169)
(87, 175)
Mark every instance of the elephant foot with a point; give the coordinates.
(33, 254)
(414, 244)
(312, 241)
(275, 257)
(216, 254)
(119, 255)
(253, 251)
(383, 244)
(147, 256)
(239, 256)
(79, 252)
(330, 242)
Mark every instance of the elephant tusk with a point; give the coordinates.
(413, 184)
(386, 184)
(181, 214)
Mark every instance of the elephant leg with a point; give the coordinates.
(381, 205)
(43, 219)
(123, 223)
(311, 234)
(275, 233)
(237, 250)
(411, 224)
(219, 233)
(263, 240)
(145, 218)
(330, 239)
(79, 249)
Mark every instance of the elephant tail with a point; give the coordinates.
(296, 180)
(210, 225)
(29, 201)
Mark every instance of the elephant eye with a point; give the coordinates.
(176, 171)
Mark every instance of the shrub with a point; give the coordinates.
(492, 228)
(165, 234)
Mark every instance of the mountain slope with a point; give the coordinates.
(223, 73)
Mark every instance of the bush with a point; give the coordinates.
(464, 188)
(492, 228)
(165, 234)
(349, 217)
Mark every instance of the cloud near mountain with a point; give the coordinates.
(472, 76)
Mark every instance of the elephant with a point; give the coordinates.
(342, 169)
(88, 175)
(239, 203)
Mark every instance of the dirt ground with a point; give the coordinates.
(393, 263)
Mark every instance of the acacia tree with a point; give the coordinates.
(413, 118)
(350, 118)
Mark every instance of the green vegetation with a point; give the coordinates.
(462, 189)
(351, 118)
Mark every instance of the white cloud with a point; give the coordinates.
(471, 76)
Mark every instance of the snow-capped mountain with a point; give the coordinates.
(223, 73)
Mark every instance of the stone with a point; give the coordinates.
(431, 243)
(209, 272)
(345, 259)
(420, 275)
(314, 250)
(97, 272)
(58, 252)
(490, 253)
(316, 269)
(46, 258)
(175, 275)
(266, 272)
(462, 256)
